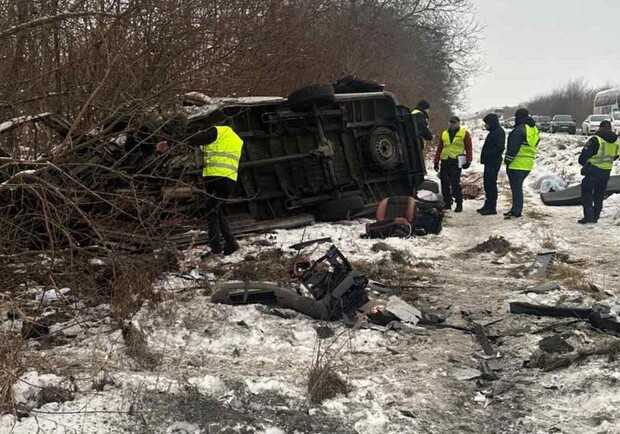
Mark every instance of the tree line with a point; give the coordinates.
(575, 98)
(86, 58)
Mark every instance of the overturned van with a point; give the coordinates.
(319, 152)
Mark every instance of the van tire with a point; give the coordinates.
(384, 148)
(302, 98)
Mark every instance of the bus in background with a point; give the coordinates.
(606, 103)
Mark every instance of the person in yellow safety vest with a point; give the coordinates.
(420, 117)
(597, 158)
(454, 143)
(221, 148)
(519, 159)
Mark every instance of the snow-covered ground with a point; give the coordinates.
(225, 369)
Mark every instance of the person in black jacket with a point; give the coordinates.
(420, 117)
(597, 158)
(491, 157)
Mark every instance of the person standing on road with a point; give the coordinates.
(520, 155)
(221, 148)
(454, 142)
(597, 158)
(420, 117)
(491, 157)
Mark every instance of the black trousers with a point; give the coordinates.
(491, 171)
(218, 188)
(516, 178)
(593, 188)
(450, 176)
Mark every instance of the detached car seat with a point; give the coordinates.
(403, 216)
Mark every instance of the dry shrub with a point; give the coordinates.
(548, 241)
(398, 256)
(267, 265)
(497, 244)
(570, 275)
(323, 380)
(132, 283)
(380, 247)
(137, 347)
(11, 367)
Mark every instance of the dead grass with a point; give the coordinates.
(496, 244)
(548, 241)
(137, 347)
(536, 215)
(11, 367)
(132, 284)
(398, 256)
(323, 380)
(566, 273)
(270, 265)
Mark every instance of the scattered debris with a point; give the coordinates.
(304, 244)
(595, 317)
(542, 264)
(402, 310)
(559, 351)
(544, 288)
(483, 340)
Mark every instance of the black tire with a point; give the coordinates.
(339, 209)
(429, 185)
(302, 98)
(351, 84)
(383, 148)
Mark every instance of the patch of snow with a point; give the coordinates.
(208, 385)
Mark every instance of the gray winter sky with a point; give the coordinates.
(532, 46)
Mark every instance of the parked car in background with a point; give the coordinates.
(564, 123)
(614, 117)
(543, 123)
(591, 123)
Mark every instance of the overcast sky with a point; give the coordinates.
(532, 46)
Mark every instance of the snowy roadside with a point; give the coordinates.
(213, 368)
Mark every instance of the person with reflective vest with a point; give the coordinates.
(454, 145)
(597, 158)
(521, 151)
(420, 117)
(221, 148)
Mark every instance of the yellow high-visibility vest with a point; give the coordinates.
(221, 158)
(524, 160)
(604, 158)
(452, 149)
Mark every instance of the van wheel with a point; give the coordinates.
(304, 97)
(383, 148)
(339, 209)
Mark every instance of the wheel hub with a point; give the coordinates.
(385, 148)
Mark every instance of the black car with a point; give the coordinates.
(564, 123)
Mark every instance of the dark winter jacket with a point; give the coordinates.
(203, 137)
(517, 137)
(421, 122)
(495, 142)
(591, 149)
